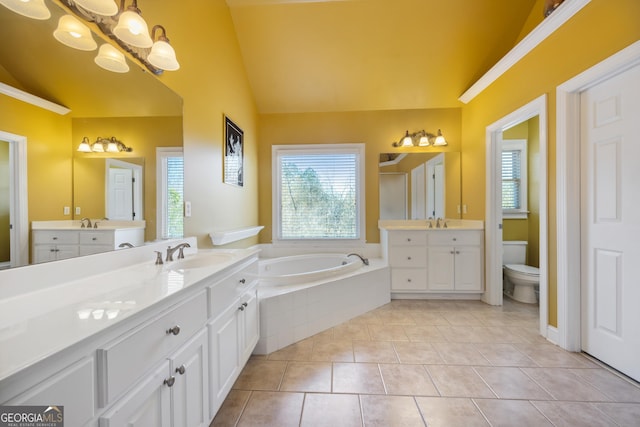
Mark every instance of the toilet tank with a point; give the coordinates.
(514, 252)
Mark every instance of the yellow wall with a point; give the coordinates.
(143, 134)
(579, 44)
(377, 129)
(5, 247)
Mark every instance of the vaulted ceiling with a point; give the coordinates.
(347, 55)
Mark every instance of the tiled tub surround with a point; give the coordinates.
(99, 334)
(430, 362)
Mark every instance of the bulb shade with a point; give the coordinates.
(407, 141)
(112, 147)
(75, 34)
(34, 9)
(101, 7)
(424, 141)
(440, 139)
(97, 147)
(111, 59)
(84, 146)
(133, 30)
(163, 56)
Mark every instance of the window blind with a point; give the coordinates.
(175, 197)
(511, 176)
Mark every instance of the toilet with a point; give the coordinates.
(521, 282)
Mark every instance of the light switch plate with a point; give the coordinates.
(66, 210)
(187, 209)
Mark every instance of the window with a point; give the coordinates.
(170, 165)
(318, 192)
(514, 178)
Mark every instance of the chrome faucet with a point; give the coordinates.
(438, 222)
(82, 222)
(125, 245)
(364, 260)
(179, 247)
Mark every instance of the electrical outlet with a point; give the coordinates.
(78, 210)
(187, 209)
(66, 210)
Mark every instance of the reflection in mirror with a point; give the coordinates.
(111, 188)
(135, 106)
(419, 185)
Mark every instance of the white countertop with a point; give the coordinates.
(76, 225)
(35, 325)
(423, 224)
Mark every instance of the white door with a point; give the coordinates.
(120, 203)
(610, 221)
(438, 191)
(419, 192)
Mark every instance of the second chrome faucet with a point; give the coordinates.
(180, 248)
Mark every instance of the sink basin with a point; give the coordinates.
(199, 261)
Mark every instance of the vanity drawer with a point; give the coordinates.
(225, 291)
(124, 360)
(455, 238)
(408, 256)
(407, 238)
(408, 279)
(97, 238)
(63, 237)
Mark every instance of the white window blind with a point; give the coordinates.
(511, 179)
(318, 194)
(175, 197)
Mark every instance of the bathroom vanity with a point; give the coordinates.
(431, 261)
(128, 342)
(56, 240)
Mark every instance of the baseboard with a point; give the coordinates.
(552, 334)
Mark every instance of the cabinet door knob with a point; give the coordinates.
(94, 238)
(241, 308)
(169, 382)
(409, 258)
(455, 239)
(243, 281)
(181, 370)
(409, 280)
(457, 252)
(55, 238)
(244, 304)
(452, 252)
(408, 239)
(175, 330)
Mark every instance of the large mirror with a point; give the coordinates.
(135, 107)
(420, 185)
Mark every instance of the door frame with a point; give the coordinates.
(18, 195)
(568, 188)
(493, 223)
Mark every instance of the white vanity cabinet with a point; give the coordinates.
(426, 262)
(53, 245)
(455, 261)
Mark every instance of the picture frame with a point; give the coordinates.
(233, 153)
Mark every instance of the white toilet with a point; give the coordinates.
(521, 282)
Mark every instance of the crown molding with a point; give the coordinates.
(32, 99)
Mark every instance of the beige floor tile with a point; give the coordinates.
(429, 318)
(460, 354)
(459, 381)
(427, 333)
(351, 331)
(504, 355)
(331, 410)
(307, 377)
(297, 351)
(387, 332)
(465, 334)
(362, 378)
(417, 352)
(407, 380)
(512, 383)
(231, 409)
(510, 413)
(624, 414)
(450, 412)
(550, 356)
(374, 351)
(268, 409)
(563, 384)
(261, 374)
(396, 317)
(385, 411)
(332, 351)
(571, 414)
(461, 318)
(616, 388)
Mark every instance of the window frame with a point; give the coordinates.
(521, 146)
(162, 197)
(277, 151)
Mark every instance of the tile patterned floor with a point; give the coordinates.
(435, 363)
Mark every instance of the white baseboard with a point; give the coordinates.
(552, 334)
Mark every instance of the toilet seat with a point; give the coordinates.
(523, 269)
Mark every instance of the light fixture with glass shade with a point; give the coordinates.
(421, 138)
(85, 146)
(103, 145)
(34, 9)
(162, 54)
(73, 33)
(111, 59)
(101, 7)
(132, 28)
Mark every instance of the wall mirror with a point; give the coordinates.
(136, 107)
(419, 185)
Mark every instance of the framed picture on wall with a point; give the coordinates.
(233, 153)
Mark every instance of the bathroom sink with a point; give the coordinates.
(199, 261)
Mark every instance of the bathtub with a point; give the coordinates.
(300, 269)
(302, 295)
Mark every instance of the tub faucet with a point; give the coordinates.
(180, 247)
(364, 260)
(82, 222)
